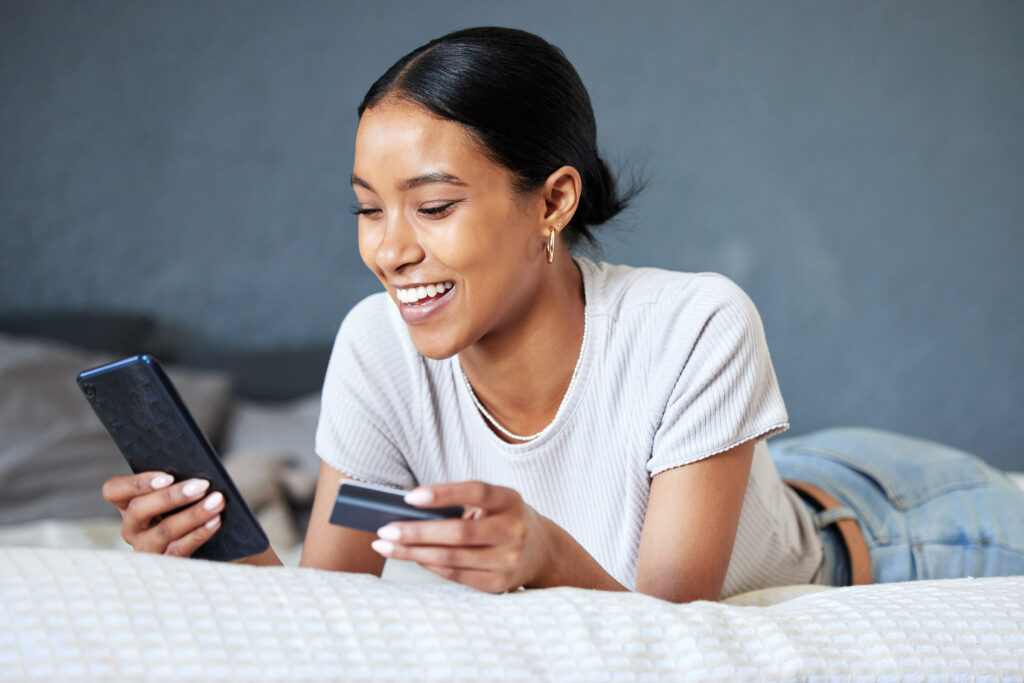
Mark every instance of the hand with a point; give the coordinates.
(145, 501)
(500, 543)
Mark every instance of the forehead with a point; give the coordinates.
(398, 140)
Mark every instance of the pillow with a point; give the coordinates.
(286, 429)
(54, 453)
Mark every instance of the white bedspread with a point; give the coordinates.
(104, 614)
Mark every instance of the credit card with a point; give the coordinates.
(368, 508)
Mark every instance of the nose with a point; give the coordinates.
(399, 245)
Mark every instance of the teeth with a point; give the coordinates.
(412, 295)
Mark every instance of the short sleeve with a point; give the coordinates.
(725, 392)
(361, 432)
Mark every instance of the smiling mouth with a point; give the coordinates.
(422, 294)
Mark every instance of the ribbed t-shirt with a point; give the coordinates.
(674, 369)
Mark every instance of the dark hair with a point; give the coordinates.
(525, 103)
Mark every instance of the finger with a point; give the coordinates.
(189, 543)
(175, 530)
(468, 493)
(471, 512)
(489, 558)
(121, 490)
(141, 510)
(488, 581)
(492, 530)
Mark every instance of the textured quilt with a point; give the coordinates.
(70, 614)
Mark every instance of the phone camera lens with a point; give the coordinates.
(89, 389)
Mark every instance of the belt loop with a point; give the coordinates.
(833, 515)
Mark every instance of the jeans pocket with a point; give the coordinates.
(909, 470)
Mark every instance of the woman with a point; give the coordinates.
(618, 416)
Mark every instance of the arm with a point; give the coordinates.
(329, 546)
(690, 526)
(689, 529)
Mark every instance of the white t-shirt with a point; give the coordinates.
(675, 369)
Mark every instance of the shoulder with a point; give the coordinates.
(713, 299)
(711, 320)
(665, 298)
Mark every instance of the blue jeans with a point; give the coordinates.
(927, 511)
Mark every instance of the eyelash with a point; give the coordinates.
(435, 210)
(432, 211)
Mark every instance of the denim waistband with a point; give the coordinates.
(836, 569)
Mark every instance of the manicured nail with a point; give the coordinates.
(212, 524)
(195, 488)
(419, 496)
(161, 481)
(383, 547)
(389, 532)
(213, 500)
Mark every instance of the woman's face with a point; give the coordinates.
(456, 247)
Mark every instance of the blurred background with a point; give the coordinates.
(176, 175)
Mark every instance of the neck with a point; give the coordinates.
(521, 371)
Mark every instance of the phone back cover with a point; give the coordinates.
(143, 413)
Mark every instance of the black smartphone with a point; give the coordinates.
(143, 413)
(368, 508)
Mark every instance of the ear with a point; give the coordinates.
(561, 193)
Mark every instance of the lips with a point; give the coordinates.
(417, 304)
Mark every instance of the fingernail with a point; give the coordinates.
(213, 522)
(389, 533)
(161, 481)
(213, 500)
(383, 547)
(195, 487)
(419, 496)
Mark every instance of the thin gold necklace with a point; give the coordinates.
(517, 437)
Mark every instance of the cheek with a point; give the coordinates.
(495, 264)
(491, 240)
(367, 251)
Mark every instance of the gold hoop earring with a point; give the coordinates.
(551, 246)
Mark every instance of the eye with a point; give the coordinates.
(360, 211)
(439, 210)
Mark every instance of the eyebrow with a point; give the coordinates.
(410, 183)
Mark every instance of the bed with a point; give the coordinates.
(70, 614)
(75, 604)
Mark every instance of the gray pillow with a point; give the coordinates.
(54, 453)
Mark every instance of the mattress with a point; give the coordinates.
(74, 614)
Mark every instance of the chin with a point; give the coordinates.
(433, 346)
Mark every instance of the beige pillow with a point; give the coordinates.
(54, 453)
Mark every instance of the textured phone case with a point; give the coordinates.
(138, 405)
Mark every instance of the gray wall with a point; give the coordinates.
(858, 167)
